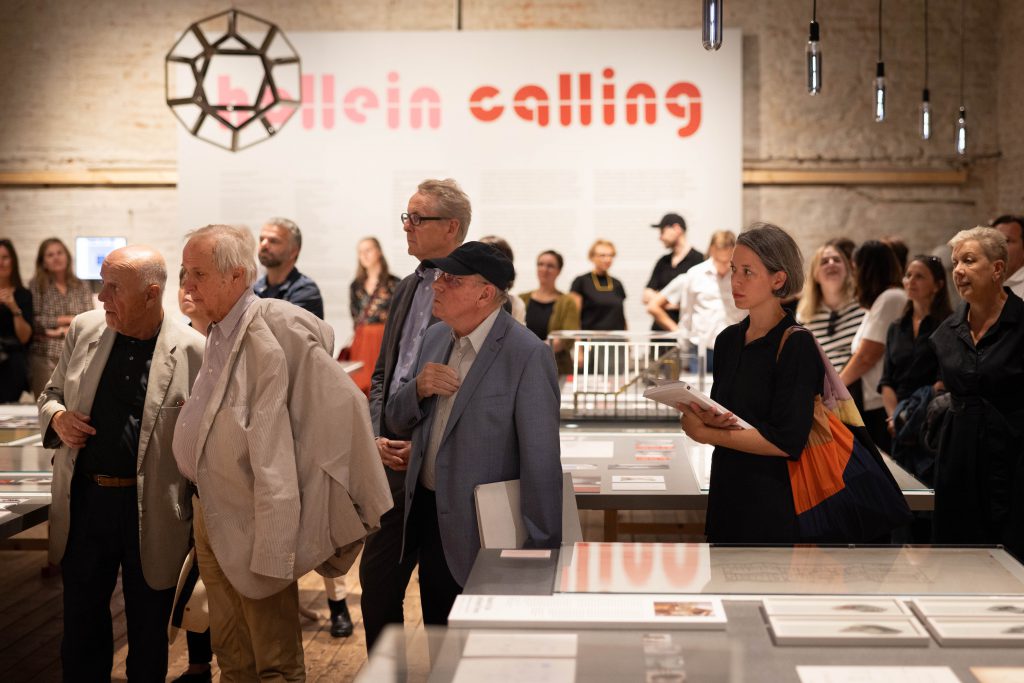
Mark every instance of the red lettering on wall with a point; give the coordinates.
(478, 110)
(633, 95)
(683, 101)
(608, 92)
(539, 111)
(327, 81)
(425, 98)
(357, 101)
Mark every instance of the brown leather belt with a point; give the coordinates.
(113, 482)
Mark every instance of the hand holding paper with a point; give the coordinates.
(673, 393)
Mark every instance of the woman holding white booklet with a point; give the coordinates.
(770, 382)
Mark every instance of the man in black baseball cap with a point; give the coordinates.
(482, 406)
(672, 229)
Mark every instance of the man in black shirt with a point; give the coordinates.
(680, 259)
(280, 244)
(119, 502)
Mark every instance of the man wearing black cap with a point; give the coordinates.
(483, 408)
(678, 261)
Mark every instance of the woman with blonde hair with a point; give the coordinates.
(57, 297)
(828, 307)
(598, 295)
(979, 470)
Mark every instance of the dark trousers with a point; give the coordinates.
(103, 538)
(384, 571)
(200, 649)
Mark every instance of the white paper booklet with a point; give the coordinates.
(581, 610)
(670, 392)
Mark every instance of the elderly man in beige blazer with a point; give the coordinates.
(277, 440)
(119, 501)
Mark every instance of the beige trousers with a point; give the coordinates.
(253, 639)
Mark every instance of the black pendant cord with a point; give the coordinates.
(925, 44)
(963, 18)
(879, 30)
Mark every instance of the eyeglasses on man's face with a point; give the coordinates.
(414, 219)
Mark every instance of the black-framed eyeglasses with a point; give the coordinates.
(414, 219)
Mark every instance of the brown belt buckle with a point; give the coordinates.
(113, 482)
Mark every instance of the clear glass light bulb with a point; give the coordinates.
(880, 92)
(961, 132)
(712, 34)
(813, 60)
(926, 115)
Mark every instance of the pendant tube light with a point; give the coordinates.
(879, 74)
(814, 53)
(712, 33)
(925, 127)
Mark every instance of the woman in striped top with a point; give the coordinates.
(828, 307)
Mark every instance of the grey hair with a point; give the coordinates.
(452, 202)
(291, 227)
(779, 254)
(153, 271)
(233, 247)
(991, 240)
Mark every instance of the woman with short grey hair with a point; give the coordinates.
(768, 375)
(979, 470)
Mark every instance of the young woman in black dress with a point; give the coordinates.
(772, 389)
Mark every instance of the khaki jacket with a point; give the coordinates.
(288, 471)
(165, 504)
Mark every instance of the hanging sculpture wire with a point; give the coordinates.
(233, 79)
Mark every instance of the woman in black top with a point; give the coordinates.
(15, 326)
(909, 362)
(598, 295)
(772, 388)
(979, 471)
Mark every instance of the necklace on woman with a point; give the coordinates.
(597, 284)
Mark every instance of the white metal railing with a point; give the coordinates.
(612, 370)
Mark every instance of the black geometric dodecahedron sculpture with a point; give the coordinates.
(233, 79)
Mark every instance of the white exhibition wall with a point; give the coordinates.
(558, 137)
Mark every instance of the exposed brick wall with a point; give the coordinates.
(83, 87)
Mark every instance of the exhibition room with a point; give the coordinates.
(547, 341)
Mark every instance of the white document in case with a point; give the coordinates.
(638, 486)
(876, 674)
(579, 448)
(583, 610)
(670, 392)
(519, 644)
(515, 670)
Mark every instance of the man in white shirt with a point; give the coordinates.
(703, 296)
(1012, 228)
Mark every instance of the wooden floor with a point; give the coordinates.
(31, 613)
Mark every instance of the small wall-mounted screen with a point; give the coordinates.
(90, 252)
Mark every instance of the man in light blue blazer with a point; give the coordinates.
(483, 408)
